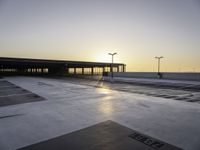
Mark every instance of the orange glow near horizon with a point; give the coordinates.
(89, 30)
(102, 58)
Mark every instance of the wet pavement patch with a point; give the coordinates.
(107, 135)
(44, 84)
(164, 90)
(11, 94)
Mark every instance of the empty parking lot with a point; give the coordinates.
(70, 106)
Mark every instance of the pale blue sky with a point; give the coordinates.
(88, 29)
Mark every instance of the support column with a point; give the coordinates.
(124, 68)
(82, 69)
(104, 69)
(117, 68)
(92, 71)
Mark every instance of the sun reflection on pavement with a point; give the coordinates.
(106, 103)
(104, 91)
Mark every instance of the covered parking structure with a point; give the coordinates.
(24, 66)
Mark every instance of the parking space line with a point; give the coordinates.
(16, 95)
(15, 89)
(1, 87)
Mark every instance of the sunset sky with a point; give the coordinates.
(87, 30)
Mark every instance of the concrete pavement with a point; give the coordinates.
(71, 106)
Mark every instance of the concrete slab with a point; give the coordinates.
(11, 94)
(178, 90)
(73, 106)
(107, 135)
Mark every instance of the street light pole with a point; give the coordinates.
(112, 54)
(159, 58)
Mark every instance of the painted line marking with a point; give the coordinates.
(16, 95)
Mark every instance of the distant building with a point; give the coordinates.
(24, 66)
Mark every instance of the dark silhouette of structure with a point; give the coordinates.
(159, 73)
(112, 54)
(22, 66)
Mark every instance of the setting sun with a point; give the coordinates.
(103, 58)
